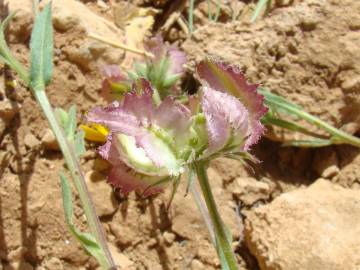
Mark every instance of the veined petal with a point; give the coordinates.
(228, 79)
(172, 115)
(226, 119)
(115, 118)
(125, 178)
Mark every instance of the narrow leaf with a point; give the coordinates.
(259, 7)
(309, 143)
(62, 117)
(70, 127)
(5, 54)
(79, 143)
(67, 199)
(87, 240)
(41, 50)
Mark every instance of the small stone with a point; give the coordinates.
(169, 237)
(249, 190)
(64, 20)
(30, 141)
(19, 265)
(330, 172)
(53, 264)
(49, 141)
(8, 109)
(197, 265)
(120, 259)
(102, 193)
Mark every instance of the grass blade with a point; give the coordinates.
(259, 7)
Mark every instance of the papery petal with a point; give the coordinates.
(177, 60)
(172, 115)
(128, 180)
(226, 118)
(125, 178)
(156, 46)
(159, 49)
(139, 102)
(115, 118)
(228, 79)
(114, 84)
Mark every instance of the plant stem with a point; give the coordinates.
(340, 135)
(221, 238)
(191, 16)
(76, 173)
(120, 46)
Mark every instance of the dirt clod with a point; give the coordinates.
(319, 222)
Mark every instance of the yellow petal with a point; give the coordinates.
(95, 132)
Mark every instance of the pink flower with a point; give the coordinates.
(146, 141)
(233, 108)
(150, 145)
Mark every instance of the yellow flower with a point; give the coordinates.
(95, 132)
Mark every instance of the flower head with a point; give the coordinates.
(147, 138)
(232, 84)
(162, 71)
(150, 144)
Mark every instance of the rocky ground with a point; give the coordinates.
(298, 209)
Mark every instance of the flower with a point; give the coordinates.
(150, 144)
(163, 71)
(231, 83)
(151, 140)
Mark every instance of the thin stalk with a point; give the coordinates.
(204, 212)
(340, 136)
(120, 46)
(79, 180)
(219, 228)
(191, 15)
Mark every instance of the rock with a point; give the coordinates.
(102, 193)
(19, 266)
(197, 265)
(123, 235)
(314, 228)
(330, 172)
(30, 141)
(49, 141)
(324, 159)
(120, 259)
(53, 264)
(63, 19)
(169, 237)
(249, 190)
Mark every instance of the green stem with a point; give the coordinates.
(79, 180)
(222, 241)
(339, 135)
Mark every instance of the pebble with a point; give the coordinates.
(49, 140)
(30, 141)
